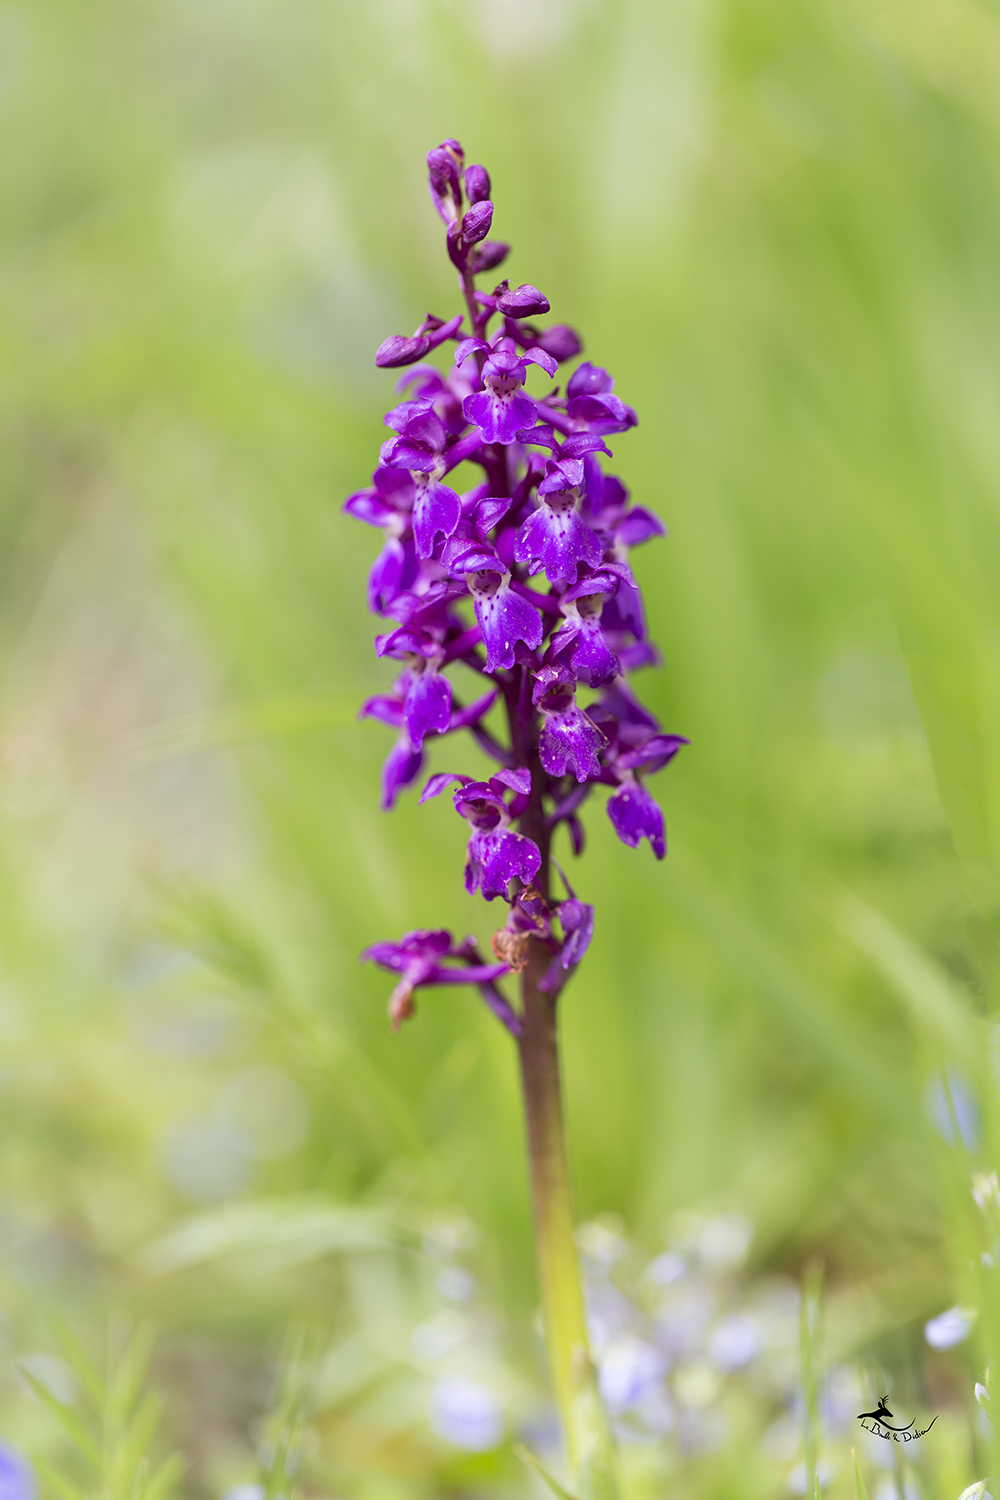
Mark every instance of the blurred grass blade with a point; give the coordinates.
(287, 1231)
(240, 723)
(141, 1430)
(70, 1423)
(165, 1478)
(89, 1378)
(529, 1459)
(934, 1000)
(280, 1448)
(125, 1382)
(63, 1487)
(807, 1014)
(117, 1426)
(860, 1493)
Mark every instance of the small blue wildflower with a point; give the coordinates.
(466, 1414)
(17, 1482)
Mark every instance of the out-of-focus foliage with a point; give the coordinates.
(778, 223)
(111, 1436)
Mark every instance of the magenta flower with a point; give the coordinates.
(388, 503)
(555, 537)
(420, 958)
(496, 855)
(637, 815)
(569, 741)
(502, 408)
(406, 713)
(505, 619)
(523, 578)
(420, 449)
(591, 404)
(582, 643)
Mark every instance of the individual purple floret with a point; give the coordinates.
(405, 712)
(388, 503)
(502, 408)
(427, 707)
(636, 815)
(555, 537)
(398, 349)
(577, 921)
(591, 405)
(569, 741)
(420, 449)
(496, 855)
(506, 548)
(419, 958)
(506, 620)
(582, 643)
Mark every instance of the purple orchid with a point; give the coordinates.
(502, 408)
(399, 349)
(582, 643)
(525, 579)
(408, 713)
(576, 918)
(569, 740)
(420, 960)
(388, 503)
(520, 574)
(555, 537)
(444, 169)
(427, 706)
(420, 449)
(637, 815)
(505, 618)
(590, 404)
(496, 855)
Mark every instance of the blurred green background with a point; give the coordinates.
(777, 222)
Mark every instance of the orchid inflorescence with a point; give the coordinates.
(544, 505)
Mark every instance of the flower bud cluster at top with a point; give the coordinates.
(544, 506)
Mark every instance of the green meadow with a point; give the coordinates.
(777, 223)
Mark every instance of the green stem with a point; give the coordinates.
(588, 1437)
(558, 1268)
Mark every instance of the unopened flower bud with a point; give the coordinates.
(489, 255)
(561, 341)
(398, 350)
(443, 174)
(476, 224)
(523, 302)
(442, 171)
(477, 183)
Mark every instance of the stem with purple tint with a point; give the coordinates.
(548, 1164)
(544, 510)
